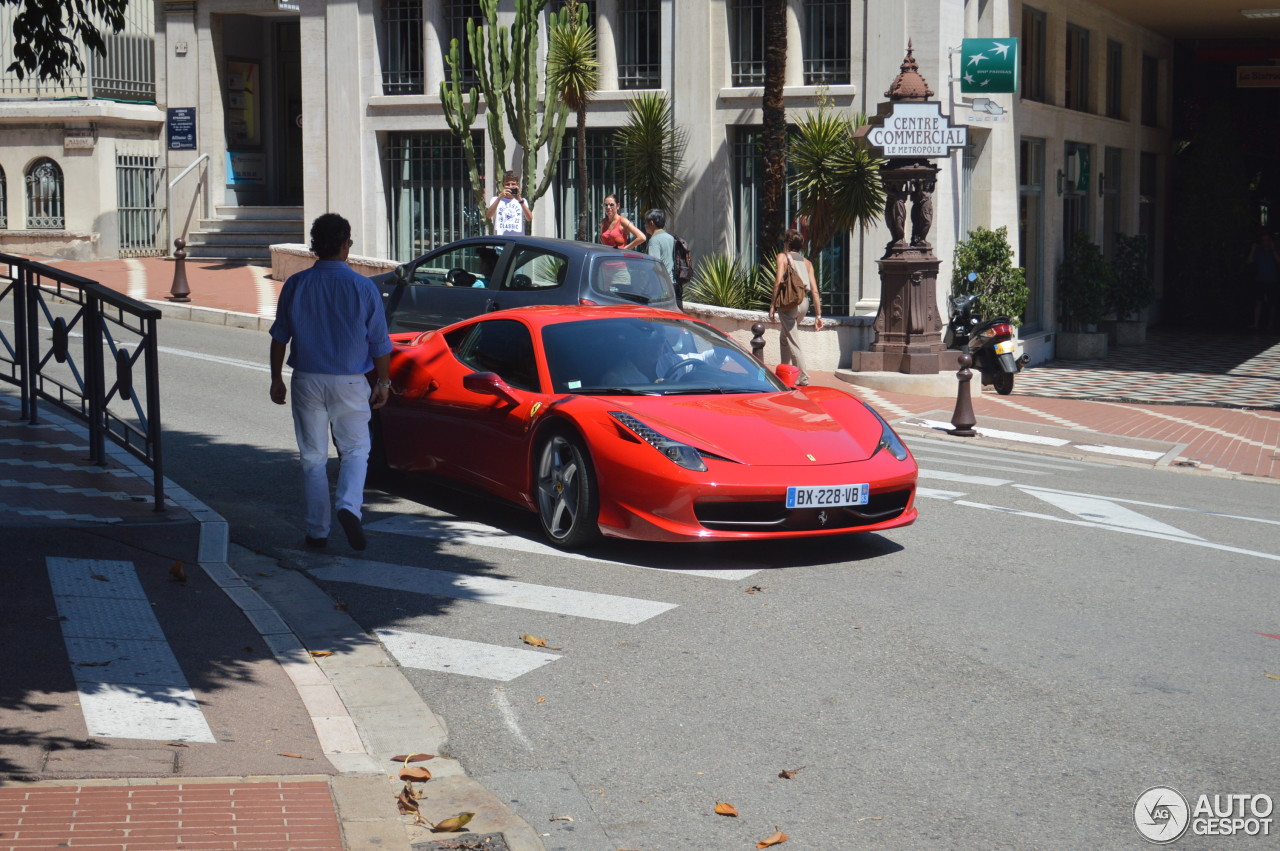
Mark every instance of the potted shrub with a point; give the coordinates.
(1131, 291)
(1001, 287)
(1084, 289)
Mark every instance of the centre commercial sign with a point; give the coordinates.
(917, 130)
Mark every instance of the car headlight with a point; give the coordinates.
(681, 453)
(888, 438)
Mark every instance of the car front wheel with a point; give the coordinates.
(568, 504)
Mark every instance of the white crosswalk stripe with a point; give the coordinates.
(488, 589)
(455, 656)
(130, 683)
(466, 532)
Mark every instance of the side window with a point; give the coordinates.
(535, 269)
(641, 280)
(471, 265)
(503, 346)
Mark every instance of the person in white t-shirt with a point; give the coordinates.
(508, 210)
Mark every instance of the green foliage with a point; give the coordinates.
(506, 67)
(651, 150)
(1001, 287)
(460, 114)
(46, 34)
(722, 281)
(1084, 285)
(837, 181)
(573, 70)
(1131, 287)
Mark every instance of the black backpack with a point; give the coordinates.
(681, 262)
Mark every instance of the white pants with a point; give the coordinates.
(341, 403)
(789, 338)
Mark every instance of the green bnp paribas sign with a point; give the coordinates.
(989, 65)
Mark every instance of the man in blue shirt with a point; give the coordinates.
(334, 319)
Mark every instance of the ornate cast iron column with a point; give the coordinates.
(907, 325)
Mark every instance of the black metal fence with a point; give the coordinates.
(77, 345)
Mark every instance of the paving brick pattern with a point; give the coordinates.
(219, 816)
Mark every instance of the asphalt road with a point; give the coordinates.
(1052, 638)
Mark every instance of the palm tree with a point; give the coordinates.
(836, 180)
(573, 69)
(651, 151)
(775, 126)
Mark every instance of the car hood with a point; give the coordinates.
(799, 427)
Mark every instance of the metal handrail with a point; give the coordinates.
(208, 209)
(95, 382)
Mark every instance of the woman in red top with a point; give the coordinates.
(616, 230)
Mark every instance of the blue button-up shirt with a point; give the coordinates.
(334, 318)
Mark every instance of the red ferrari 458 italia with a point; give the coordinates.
(638, 423)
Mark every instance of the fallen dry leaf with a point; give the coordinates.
(177, 744)
(561, 818)
(777, 839)
(413, 757)
(726, 809)
(454, 824)
(292, 755)
(178, 571)
(320, 654)
(542, 700)
(868, 818)
(790, 773)
(1271, 676)
(535, 641)
(754, 588)
(416, 773)
(407, 800)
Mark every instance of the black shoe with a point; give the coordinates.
(317, 543)
(351, 525)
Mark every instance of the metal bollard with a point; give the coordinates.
(757, 341)
(962, 418)
(180, 290)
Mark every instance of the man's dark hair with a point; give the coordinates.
(329, 235)
(657, 218)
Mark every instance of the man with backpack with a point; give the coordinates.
(671, 250)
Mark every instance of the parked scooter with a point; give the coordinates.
(989, 342)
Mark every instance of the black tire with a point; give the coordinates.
(1003, 382)
(565, 485)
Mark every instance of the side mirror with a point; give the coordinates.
(489, 384)
(788, 374)
(402, 274)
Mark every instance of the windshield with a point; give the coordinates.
(649, 356)
(642, 280)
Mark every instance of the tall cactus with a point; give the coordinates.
(507, 74)
(460, 113)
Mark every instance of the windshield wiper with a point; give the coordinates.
(613, 391)
(636, 297)
(698, 391)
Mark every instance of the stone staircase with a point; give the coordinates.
(245, 233)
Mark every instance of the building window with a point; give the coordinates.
(456, 15)
(44, 196)
(1034, 48)
(1115, 79)
(1110, 180)
(826, 42)
(140, 204)
(1148, 195)
(1074, 182)
(428, 191)
(639, 44)
(402, 47)
(1031, 226)
(831, 264)
(1150, 91)
(604, 177)
(4, 201)
(746, 42)
(1077, 93)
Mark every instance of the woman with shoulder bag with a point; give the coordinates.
(784, 304)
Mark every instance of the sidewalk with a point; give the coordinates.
(251, 743)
